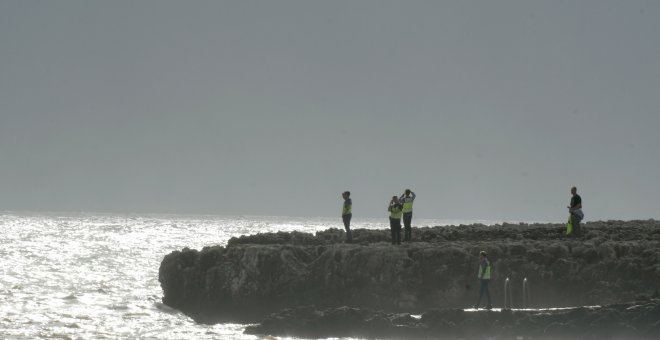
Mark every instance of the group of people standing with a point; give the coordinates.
(399, 207)
(402, 207)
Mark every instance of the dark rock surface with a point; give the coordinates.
(256, 275)
(637, 320)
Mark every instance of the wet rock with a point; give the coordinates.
(621, 321)
(402, 319)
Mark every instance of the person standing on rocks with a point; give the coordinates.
(484, 279)
(575, 210)
(347, 214)
(407, 200)
(395, 208)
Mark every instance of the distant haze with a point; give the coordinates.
(486, 109)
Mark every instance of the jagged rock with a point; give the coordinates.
(259, 274)
(632, 320)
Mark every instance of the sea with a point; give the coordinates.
(95, 276)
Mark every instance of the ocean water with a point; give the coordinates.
(95, 276)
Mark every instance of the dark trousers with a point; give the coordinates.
(347, 226)
(407, 231)
(575, 221)
(484, 290)
(395, 228)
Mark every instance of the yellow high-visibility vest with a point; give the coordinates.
(346, 209)
(486, 274)
(407, 204)
(396, 212)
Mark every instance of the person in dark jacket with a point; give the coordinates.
(347, 214)
(575, 211)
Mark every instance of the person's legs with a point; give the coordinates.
(347, 226)
(486, 284)
(576, 227)
(393, 230)
(398, 231)
(481, 293)
(483, 290)
(575, 221)
(407, 221)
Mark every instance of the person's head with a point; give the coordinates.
(346, 194)
(482, 255)
(407, 192)
(395, 199)
(573, 190)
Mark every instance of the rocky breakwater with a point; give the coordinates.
(256, 275)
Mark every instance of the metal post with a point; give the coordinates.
(527, 294)
(508, 298)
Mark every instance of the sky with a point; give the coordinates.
(485, 109)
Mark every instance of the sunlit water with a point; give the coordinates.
(91, 276)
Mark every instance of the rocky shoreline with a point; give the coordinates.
(256, 275)
(635, 320)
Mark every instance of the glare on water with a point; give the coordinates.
(86, 276)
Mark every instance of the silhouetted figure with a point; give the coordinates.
(407, 200)
(347, 214)
(396, 211)
(484, 279)
(575, 211)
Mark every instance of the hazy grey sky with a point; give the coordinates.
(487, 109)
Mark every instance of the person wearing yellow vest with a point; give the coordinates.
(407, 200)
(396, 211)
(575, 213)
(347, 214)
(484, 278)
